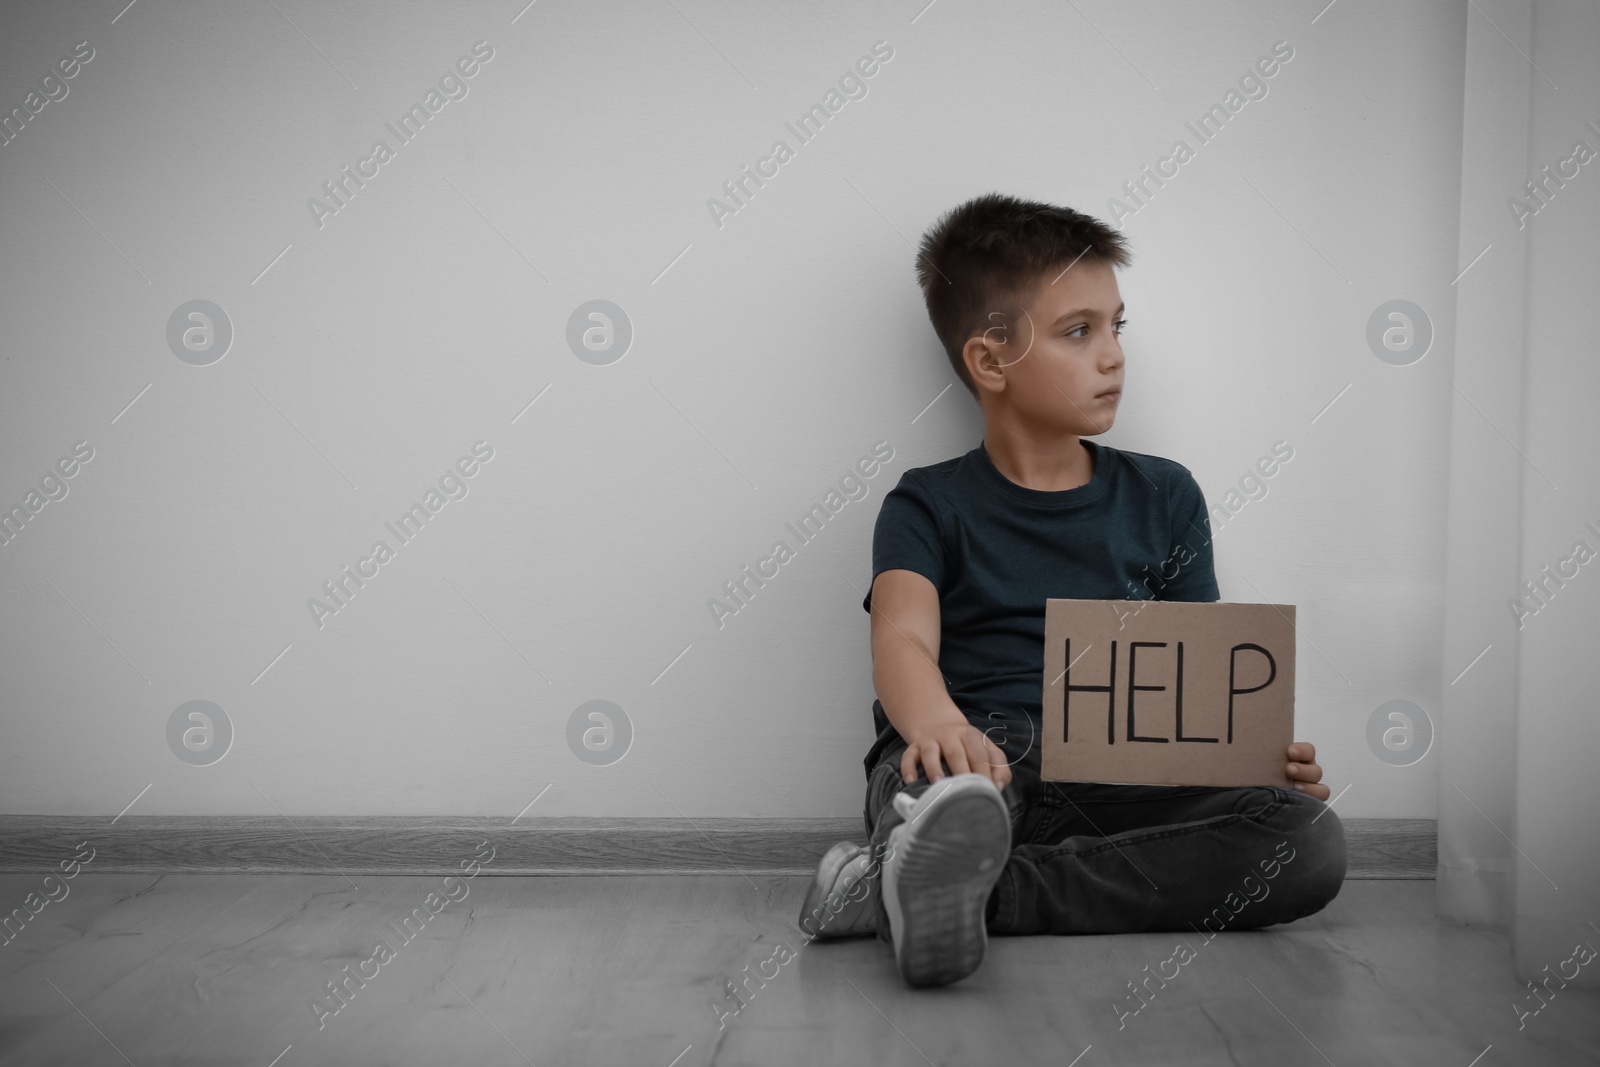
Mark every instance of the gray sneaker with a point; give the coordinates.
(941, 865)
(838, 904)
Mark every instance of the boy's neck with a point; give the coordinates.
(1049, 466)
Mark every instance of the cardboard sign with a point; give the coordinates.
(1154, 692)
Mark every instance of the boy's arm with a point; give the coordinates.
(905, 674)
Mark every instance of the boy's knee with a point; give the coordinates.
(881, 787)
(885, 781)
(1312, 854)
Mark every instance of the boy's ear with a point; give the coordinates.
(1005, 340)
(981, 354)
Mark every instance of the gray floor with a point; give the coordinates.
(223, 969)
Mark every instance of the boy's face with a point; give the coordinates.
(1058, 368)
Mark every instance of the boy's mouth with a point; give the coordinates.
(1114, 393)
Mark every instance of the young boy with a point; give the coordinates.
(965, 839)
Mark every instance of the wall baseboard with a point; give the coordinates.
(437, 845)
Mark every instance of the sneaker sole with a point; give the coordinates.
(936, 889)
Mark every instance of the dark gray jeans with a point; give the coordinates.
(1089, 858)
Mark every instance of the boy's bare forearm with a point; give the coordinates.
(911, 689)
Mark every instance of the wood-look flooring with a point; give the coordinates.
(192, 969)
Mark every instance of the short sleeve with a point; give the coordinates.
(906, 536)
(1196, 579)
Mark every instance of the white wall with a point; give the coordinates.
(769, 357)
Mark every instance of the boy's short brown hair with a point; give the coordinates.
(993, 253)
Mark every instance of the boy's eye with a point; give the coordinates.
(1078, 331)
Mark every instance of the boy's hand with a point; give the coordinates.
(963, 747)
(1304, 772)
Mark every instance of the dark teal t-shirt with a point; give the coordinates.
(995, 551)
